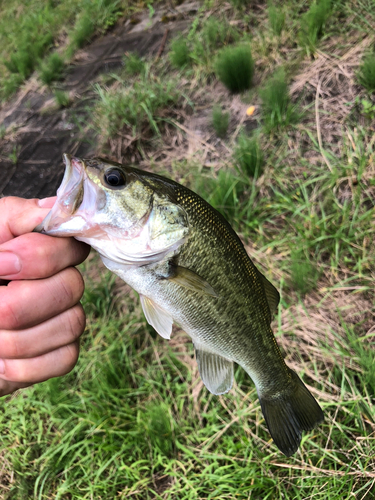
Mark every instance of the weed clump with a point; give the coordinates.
(277, 107)
(97, 15)
(248, 156)
(62, 98)
(276, 19)
(304, 275)
(366, 73)
(235, 67)
(51, 69)
(134, 65)
(28, 54)
(313, 23)
(83, 31)
(239, 4)
(220, 121)
(180, 53)
(215, 33)
(138, 107)
(159, 428)
(222, 192)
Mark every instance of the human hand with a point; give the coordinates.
(41, 318)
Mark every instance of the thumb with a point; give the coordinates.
(19, 216)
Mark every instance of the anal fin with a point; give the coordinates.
(157, 317)
(216, 372)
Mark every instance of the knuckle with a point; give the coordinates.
(7, 203)
(77, 321)
(9, 345)
(71, 285)
(70, 355)
(17, 370)
(41, 253)
(9, 318)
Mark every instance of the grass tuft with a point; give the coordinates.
(62, 98)
(235, 67)
(222, 191)
(220, 121)
(134, 64)
(52, 68)
(276, 18)
(366, 73)
(278, 110)
(179, 53)
(137, 107)
(159, 428)
(248, 156)
(304, 274)
(313, 24)
(83, 31)
(29, 51)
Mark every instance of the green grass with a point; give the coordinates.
(366, 73)
(62, 98)
(29, 30)
(277, 108)
(276, 18)
(125, 424)
(248, 156)
(201, 44)
(134, 64)
(235, 67)
(29, 51)
(304, 273)
(179, 53)
(313, 24)
(222, 191)
(136, 107)
(52, 69)
(220, 121)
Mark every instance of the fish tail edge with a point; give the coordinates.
(290, 413)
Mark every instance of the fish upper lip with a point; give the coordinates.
(64, 204)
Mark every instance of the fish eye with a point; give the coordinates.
(114, 178)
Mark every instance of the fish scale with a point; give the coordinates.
(189, 268)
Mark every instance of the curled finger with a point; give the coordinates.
(56, 332)
(40, 368)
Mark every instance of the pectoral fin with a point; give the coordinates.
(215, 371)
(190, 280)
(157, 317)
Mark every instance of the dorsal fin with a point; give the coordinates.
(272, 295)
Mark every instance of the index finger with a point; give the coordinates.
(20, 216)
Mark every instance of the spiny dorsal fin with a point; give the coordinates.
(157, 317)
(216, 372)
(190, 280)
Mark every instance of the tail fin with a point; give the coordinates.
(290, 413)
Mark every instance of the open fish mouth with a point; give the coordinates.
(70, 197)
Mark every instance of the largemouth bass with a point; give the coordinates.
(189, 268)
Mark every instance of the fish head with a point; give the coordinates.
(116, 210)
